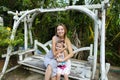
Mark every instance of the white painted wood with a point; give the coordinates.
(20, 57)
(81, 49)
(91, 50)
(35, 46)
(78, 70)
(1, 21)
(31, 19)
(13, 68)
(74, 47)
(107, 68)
(13, 53)
(42, 46)
(95, 48)
(25, 34)
(78, 8)
(48, 43)
(6, 62)
(9, 50)
(102, 46)
(26, 51)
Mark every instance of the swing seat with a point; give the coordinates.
(80, 70)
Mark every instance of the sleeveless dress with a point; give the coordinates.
(61, 64)
(64, 67)
(49, 60)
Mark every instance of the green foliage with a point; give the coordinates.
(5, 40)
(112, 58)
(113, 27)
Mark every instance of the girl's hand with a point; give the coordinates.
(60, 60)
(65, 46)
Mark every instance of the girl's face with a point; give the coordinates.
(59, 46)
(60, 31)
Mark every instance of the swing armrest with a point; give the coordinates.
(26, 52)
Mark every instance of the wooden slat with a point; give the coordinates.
(79, 69)
(20, 52)
(34, 63)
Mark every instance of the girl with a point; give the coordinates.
(63, 68)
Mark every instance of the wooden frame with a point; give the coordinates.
(99, 26)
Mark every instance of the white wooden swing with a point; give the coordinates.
(80, 70)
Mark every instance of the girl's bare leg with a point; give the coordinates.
(48, 72)
(53, 78)
(66, 76)
(58, 76)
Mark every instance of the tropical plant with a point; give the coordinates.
(5, 40)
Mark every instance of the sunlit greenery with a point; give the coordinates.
(5, 40)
